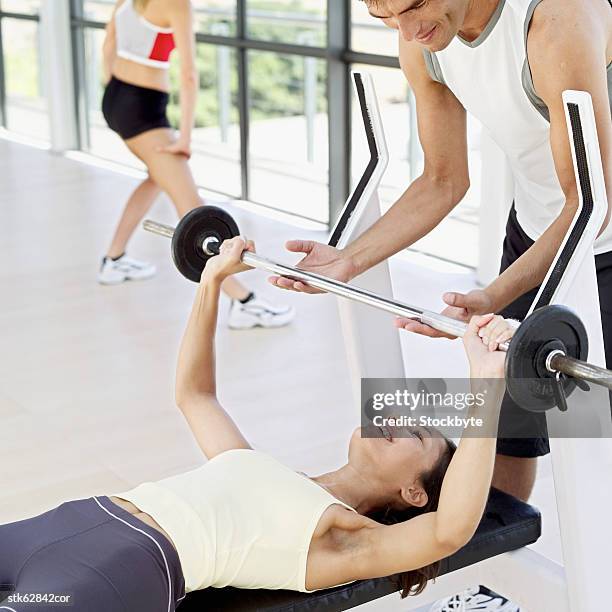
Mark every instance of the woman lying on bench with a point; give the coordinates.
(245, 520)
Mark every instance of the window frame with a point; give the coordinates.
(338, 56)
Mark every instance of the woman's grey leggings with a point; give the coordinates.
(88, 555)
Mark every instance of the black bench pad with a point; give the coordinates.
(508, 524)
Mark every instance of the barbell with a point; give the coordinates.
(545, 359)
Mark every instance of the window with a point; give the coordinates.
(288, 133)
(98, 10)
(216, 137)
(272, 106)
(216, 17)
(300, 22)
(23, 7)
(26, 107)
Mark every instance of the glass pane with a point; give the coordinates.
(406, 164)
(98, 10)
(217, 17)
(288, 133)
(25, 96)
(300, 22)
(216, 137)
(369, 35)
(30, 7)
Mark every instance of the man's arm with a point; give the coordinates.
(212, 427)
(567, 50)
(445, 178)
(428, 200)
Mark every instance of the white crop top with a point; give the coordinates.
(140, 40)
(243, 519)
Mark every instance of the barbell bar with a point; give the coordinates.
(201, 232)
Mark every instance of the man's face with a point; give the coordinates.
(431, 23)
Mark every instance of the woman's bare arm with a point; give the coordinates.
(430, 537)
(196, 393)
(109, 47)
(181, 20)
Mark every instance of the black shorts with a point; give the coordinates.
(92, 552)
(131, 110)
(515, 244)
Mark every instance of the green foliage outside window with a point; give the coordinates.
(276, 82)
(20, 59)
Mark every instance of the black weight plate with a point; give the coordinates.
(526, 381)
(197, 225)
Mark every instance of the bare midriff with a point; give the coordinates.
(147, 519)
(144, 76)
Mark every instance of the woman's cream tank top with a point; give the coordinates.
(243, 519)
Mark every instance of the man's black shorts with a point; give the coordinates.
(515, 244)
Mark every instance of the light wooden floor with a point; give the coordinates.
(86, 372)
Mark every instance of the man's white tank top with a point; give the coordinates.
(492, 79)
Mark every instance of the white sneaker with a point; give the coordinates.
(114, 272)
(473, 600)
(258, 313)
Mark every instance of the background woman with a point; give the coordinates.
(139, 40)
(244, 519)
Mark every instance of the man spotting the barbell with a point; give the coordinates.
(245, 520)
(507, 62)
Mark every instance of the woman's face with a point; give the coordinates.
(394, 460)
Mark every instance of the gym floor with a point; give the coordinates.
(87, 372)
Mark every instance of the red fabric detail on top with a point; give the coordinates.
(163, 46)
